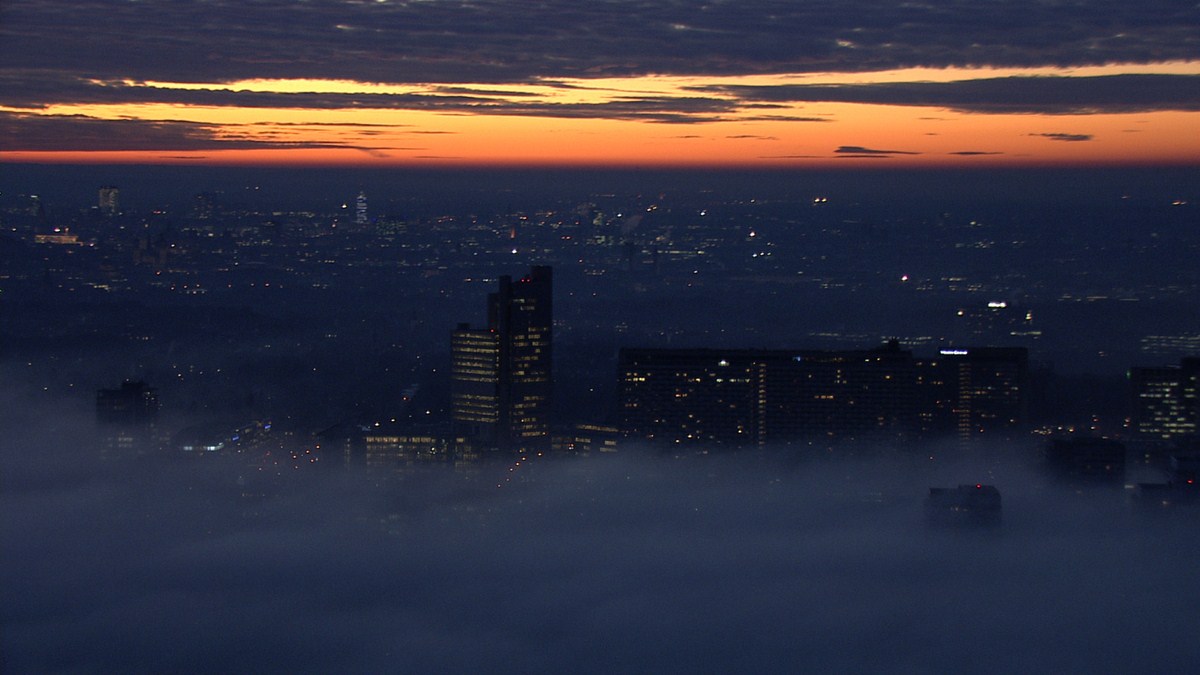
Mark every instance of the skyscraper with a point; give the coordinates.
(360, 209)
(502, 375)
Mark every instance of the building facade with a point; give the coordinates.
(127, 419)
(975, 392)
(1166, 401)
(758, 397)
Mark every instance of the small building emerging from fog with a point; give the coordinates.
(1087, 459)
(127, 419)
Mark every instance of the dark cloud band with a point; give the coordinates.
(1021, 95)
(504, 41)
(34, 133)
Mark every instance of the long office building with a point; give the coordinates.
(760, 397)
(502, 375)
(977, 392)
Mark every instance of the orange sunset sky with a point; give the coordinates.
(466, 100)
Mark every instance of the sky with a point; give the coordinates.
(685, 83)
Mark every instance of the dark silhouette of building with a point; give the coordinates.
(757, 397)
(839, 394)
(965, 505)
(686, 396)
(127, 418)
(502, 375)
(1087, 459)
(1183, 482)
(974, 392)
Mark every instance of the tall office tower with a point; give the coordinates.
(360, 209)
(110, 202)
(127, 418)
(502, 375)
(1166, 400)
(982, 391)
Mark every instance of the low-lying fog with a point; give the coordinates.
(721, 563)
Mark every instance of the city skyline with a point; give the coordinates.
(290, 497)
(685, 84)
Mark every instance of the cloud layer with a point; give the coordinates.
(506, 41)
(1022, 95)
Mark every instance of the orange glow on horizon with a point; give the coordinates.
(597, 123)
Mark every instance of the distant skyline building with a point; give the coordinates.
(204, 205)
(109, 200)
(502, 375)
(360, 209)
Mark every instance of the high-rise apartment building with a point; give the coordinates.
(760, 397)
(691, 396)
(1166, 400)
(756, 397)
(502, 375)
(976, 391)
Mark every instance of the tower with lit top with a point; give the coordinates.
(502, 375)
